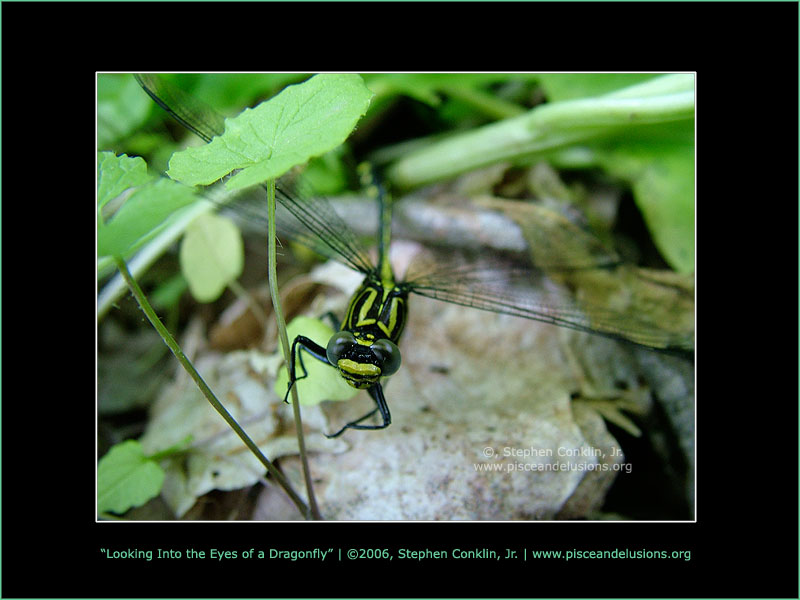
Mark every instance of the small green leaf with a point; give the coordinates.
(323, 381)
(126, 478)
(301, 122)
(115, 174)
(146, 208)
(212, 256)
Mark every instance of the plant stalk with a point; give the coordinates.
(187, 365)
(276, 303)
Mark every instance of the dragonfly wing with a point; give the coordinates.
(310, 221)
(190, 112)
(313, 221)
(521, 291)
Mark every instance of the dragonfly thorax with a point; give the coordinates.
(377, 310)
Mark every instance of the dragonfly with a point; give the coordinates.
(365, 349)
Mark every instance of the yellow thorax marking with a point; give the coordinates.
(388, 328)
(366, 305)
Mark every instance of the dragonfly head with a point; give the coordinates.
(363, 364)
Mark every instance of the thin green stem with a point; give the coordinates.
(255, 307)
(492, 106)
(276, 303)
(187, 365)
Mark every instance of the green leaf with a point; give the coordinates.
(303, 121)
(211, 255)
(662, 178)
(323, 381)
(115, 174)
(126, 478)
(146, 208)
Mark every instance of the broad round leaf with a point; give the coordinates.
(211, 255)
(301, 122)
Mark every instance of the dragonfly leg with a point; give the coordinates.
(376, 391)
(313, 349)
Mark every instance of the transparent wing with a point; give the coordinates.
(308, 220)
(197, 117)
(302, 216)
(312, 221)
(518, 290)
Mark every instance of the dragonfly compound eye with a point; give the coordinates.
(388, 355)
(340, 342)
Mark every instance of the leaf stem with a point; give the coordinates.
(488, 104)
(187, 365)
(251, 301)
(276, 303)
